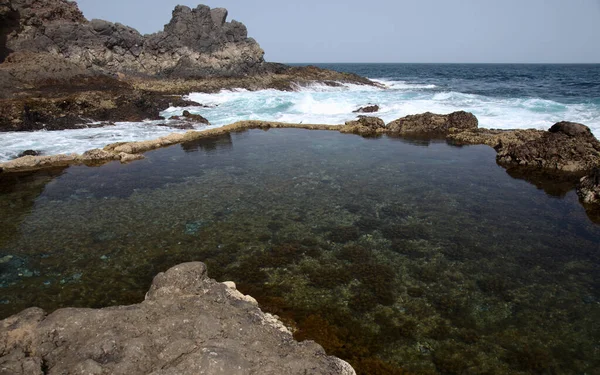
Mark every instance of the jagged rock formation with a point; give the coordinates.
(188, 324)
(195, 43)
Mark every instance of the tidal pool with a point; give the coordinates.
(398, 256)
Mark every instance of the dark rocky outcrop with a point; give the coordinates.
(195, 118)
(434, 124)
(365, 126)
(566, 146)
(196, 42)
(367, 109)
(61, 71)
(188, 324)
(29, 153)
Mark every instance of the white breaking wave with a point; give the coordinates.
(316, 103)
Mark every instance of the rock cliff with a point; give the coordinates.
(195, 43)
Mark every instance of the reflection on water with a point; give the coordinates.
(427, 259)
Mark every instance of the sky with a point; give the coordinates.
(420, 31)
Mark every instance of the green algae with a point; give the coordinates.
(398, 258)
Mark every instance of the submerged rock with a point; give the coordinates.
(566, 146)
(434, 124)
(588, 188)
(367, 109)
(188, 324)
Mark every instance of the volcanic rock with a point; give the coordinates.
(566, 146)
(365, 126)
(367, 109)
(29, 153)
(196, 42)
(433, 124)
(195, 118)
(188, 324)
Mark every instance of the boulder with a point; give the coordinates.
(29, 153)
(188, 324)
(195, 118)
(365, 126)
(367, 109)
(433, 124)
(566, 146)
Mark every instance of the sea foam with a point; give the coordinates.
(317, 103)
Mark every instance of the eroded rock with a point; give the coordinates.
(195, 118)
(434, 124)
(188, 324)
(567, 147)
(365, 126)
(367, 109)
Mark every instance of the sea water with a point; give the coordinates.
(392, 254)
(501, 96)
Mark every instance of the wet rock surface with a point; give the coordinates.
(188, 324)
(367, 109)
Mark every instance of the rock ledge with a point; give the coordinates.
(188, 324)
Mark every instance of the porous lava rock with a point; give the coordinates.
(433, 124)
(367, 109)
(365, 126)
(187, 324)
(566, 146)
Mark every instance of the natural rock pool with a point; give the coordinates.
(398, 256)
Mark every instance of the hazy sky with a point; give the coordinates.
(544, 31)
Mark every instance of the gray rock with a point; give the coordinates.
(188, 324)
(195, 43)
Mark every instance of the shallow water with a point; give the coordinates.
(395, 255)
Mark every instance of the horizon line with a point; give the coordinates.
(447, 63)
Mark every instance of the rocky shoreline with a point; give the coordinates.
(187, 324)
(59, 70)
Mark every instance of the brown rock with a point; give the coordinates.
(365, 126)
(195, 118)
(367, 109)
(188, 324)
(567, 147)
(434, 124)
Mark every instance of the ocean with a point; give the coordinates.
(503, 96)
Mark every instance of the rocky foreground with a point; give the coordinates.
(59, 70)
(188, 324)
